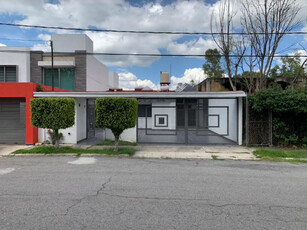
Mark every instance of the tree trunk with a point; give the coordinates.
(56, 134)
(116, 144)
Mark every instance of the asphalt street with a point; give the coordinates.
(123, 193)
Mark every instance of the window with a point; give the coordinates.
(63, 78)
(8, 74)
(142, 110)
(161, 120)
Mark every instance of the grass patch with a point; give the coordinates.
(78, 152)
(214, 157)
(282, 155)
(110, 142)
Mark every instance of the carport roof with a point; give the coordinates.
(133, 94)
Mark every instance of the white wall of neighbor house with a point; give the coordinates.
(113, 80)
(75, 133)
(97, 75)
(19, 59)
(127, 135)
(71, 42)
(225, 123)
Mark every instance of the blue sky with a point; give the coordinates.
(163, 15)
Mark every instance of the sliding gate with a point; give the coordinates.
(187, 121)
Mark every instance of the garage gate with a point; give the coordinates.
(12, 121)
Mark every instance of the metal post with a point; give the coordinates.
(246, 121)
(52, 74)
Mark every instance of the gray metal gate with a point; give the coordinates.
(91, 118)
(12, 121)
(185, 121)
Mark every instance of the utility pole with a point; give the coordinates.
(52, 74)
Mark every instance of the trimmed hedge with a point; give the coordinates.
(53, 113)
(116, 114)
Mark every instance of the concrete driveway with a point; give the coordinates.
(7, 149)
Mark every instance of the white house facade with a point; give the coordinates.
(193, 118)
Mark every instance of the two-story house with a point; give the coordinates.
(21, 70)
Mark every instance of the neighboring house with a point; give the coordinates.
(21, 70)
(164, 117)
(215, 84)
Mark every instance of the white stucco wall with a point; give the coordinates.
(225, 123)
(71, 42)
(127, 135)
(97, 75)
(21, 60)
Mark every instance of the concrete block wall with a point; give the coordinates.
(36, 72)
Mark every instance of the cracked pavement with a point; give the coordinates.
(49, 193)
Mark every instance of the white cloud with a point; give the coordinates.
(119, 14)
(193, 46)
(128, 81)
(1, 44)
(180, 15)
(195, 74)
(45, 37)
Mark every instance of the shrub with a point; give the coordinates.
(289, 109)
(116, 114)
(39, 88)
(53, 113)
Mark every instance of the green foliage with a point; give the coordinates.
(116, 114)
(212, 65)
(40, 88)
(110, 142)
(289, 109)
(53, 113)
(52, 150)
(285, 153)
(280, 101)
(291, 67)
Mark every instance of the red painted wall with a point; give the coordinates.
(25, 90)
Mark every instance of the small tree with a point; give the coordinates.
(212, 66)
(116, 114)
(53, 113)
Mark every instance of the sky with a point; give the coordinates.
(160, 15)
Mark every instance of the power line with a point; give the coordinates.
(24, 40)
(144, 31)
(142, 54)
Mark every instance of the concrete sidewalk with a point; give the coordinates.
(196, 152)
(216, 152)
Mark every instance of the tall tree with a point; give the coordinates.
(221, 29)
(212, 66)
(266, 22)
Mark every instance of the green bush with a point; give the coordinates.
(289, 109)
(53, 113)
(116, 114)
